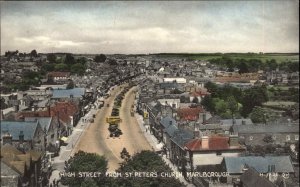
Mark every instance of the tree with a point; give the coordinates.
(268, 138)
(272, 64)
(48, 67)
(69, 60)
(85, 162)
(51, 58)
(182, 99)
(100, 58)
(124, 154)
(61, 67)
(258, 115)
(252, 97)
(195, 100)
(81, 60)
(78, 69)
(219, 105)
(112, 62)
(243, 68)
(232, 105)
(212, 88)
(176, 91)
(33, 53)
(208, 103)
(70, 84)
(146, 161)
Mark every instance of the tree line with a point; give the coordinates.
(253, 65)
(229, 101)
(145, 161)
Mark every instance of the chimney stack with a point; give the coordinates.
(21, 136)
(205, 142)
(233, 140)
(16, 107)
(7, 138)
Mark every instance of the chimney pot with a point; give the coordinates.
(205, 142)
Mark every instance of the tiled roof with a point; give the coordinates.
(58, 74)
(214, 143)
(19, 166)
(234, 79)
(15, 127)
(9, 150)
(15, 159)
(190, 114)
(26, 158)
(62, 110)
(259, 163)
(35, 155)
(199, 93)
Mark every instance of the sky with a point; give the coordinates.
(141, 27)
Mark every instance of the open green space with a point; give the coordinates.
(279, 57)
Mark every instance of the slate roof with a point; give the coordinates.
(155, 108)
(181, 137)
(76, 92)
(248, 121)
(14, 128)
(252, 178)
(166, 121)
(255, 129)
(44, 121)
(7, 170)
(168, 85)
(171, 129)
(259, 163)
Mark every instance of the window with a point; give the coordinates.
(219, 153)
(288, 138)
(296, 137)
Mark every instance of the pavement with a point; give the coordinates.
(94, 137)
(65, 152)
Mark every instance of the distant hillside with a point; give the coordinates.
(279, 57)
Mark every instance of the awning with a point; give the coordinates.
(64, 138)
(159, 146)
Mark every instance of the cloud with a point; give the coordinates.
(147, 27)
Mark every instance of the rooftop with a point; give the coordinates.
(259, 163)
(15, 127)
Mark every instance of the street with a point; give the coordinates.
(96, 137)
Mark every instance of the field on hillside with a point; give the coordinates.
(279, 57)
